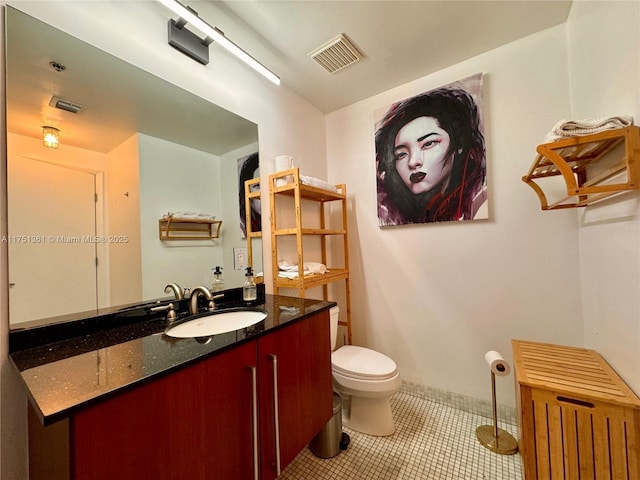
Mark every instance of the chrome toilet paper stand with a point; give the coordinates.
(490, 436)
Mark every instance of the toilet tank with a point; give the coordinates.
(334, 313)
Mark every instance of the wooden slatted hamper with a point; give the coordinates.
(577, 419)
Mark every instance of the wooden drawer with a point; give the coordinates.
(577, 418)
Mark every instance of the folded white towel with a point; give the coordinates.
(189, 215)
(292, 275)
(316, 182)
(572, 128)
(286, 266)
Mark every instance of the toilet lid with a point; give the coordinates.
(359, 362)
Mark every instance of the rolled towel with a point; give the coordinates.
(572, 128)
(317, 268)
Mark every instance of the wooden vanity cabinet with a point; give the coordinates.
(299, 358)
(191, 424)
(196, 423)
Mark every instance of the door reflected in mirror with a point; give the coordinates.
(83, 219)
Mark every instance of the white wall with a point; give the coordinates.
(433, 297)
(192, 184)
(123, 213)
(436, 297)
(604, 61)
(136, 31)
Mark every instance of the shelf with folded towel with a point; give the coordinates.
(290, 182)
(591, 167)
(170, 228)
(313, 279)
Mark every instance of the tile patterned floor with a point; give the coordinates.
(432, 442)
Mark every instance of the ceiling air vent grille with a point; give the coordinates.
(336, 54)
(66, 105)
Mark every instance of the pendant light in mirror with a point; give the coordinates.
(50, 136)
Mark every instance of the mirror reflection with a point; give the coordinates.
(84, 217)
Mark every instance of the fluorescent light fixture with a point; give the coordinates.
(196, 22)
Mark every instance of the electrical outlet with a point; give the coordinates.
(239, 258)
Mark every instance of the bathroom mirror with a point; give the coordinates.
(83, 218)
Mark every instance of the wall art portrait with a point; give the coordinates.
(248, 168)
(431, 158)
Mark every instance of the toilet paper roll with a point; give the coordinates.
(497, 364)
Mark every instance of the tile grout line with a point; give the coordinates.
(432, 441)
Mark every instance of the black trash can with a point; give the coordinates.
(326, 443)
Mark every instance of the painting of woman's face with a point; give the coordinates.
(421, 152)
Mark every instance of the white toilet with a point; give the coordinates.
(366, 380)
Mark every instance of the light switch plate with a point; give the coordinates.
(239, 258)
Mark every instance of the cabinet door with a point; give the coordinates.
(301, 353)
(194, 424)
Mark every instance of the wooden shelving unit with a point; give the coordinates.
(588, 165)
(187, 229)
(302, 193)
(250, 194)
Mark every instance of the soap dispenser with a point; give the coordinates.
(218, 282)
(249, 290)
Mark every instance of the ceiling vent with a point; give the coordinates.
(66, 105)
(336, 54)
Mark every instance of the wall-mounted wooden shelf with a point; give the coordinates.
(188, 229)
(588, 165)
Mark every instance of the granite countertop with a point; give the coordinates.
(68, 374)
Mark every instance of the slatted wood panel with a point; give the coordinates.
(578, 419)
(588, 165)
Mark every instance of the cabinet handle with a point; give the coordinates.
(254, 420)
(274, 359)
(581, 403)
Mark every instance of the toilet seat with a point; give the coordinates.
(359, 363)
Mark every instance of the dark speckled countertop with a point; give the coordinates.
(70, 373)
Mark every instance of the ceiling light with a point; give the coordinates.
(203, 27)
(50, 136)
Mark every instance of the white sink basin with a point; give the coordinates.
(215, 323)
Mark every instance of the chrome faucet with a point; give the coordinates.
(204, 291)
(177, 291)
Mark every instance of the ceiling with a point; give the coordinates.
(400, 40)
(120, 99)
